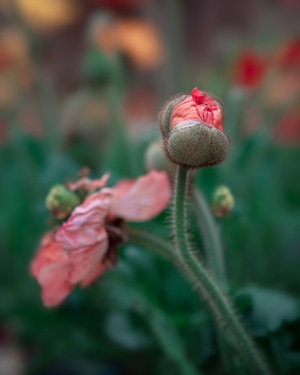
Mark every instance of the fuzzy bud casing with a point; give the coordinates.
(191, 126)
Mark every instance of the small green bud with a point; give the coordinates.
(223, 201)
(61, 201)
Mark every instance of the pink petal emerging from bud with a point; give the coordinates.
(50, 268)
(197, 107)
(141, 199)
(84, 237)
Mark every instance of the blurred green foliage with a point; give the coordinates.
(143, 317)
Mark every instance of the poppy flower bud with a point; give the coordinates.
(192, 131)
(156, 159)
(223, 201)
(61, 201)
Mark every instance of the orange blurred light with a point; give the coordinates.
(45, 15)
(140, 42)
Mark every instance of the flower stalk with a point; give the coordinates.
(210, 236)
(228, 322)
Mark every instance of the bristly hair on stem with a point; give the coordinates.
(230, 325)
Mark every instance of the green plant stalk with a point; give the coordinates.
(210, 236)
(161, 324)
(152, 242)
(163, 248)
(229, 324)
(215, 260)
(120, 152)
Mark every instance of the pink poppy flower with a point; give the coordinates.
(84, 246)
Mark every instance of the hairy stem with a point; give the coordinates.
(164, 248)
(229, 324)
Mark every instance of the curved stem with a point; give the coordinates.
(215, 260)
(152, 242)
(163, 248)
(210, 236)
(226, 318)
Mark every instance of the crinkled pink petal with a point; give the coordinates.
(50, 268)
(88, 184)
(141, 199)
(84, 237)
(197, 107)
(93, 276)
(84, 262)
(83, 228)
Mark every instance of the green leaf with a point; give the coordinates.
(269, 310)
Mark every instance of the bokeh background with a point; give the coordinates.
(81, 83)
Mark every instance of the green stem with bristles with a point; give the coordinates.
(163, 248)
(230, 326)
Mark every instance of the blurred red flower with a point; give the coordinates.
(249, 70)
(84, 246)
(291, 54)
(287, 129)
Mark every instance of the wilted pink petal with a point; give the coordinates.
(82, 229)
(85, 261)
(93, 276)
(141, 199)
(50, 268)
(88, 184)
(84, 237)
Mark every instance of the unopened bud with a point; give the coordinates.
(61, 201)
(191, 126)
(155, 158)
(223, 201)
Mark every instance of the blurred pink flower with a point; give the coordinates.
(83, 247)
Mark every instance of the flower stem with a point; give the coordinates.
(210, 236)
(229, 324)
(215, 260)
(151, 241)
(163, 248)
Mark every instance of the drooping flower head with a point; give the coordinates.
(85, 244)
(192, 130)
